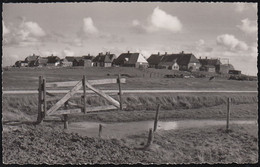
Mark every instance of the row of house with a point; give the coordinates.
(181, 61)
(101, 60)
(187, 62)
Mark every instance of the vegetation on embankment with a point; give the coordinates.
(26, 106)
(44, 144)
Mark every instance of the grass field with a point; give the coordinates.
(27, 78)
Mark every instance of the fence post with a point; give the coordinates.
(100, 131)
(150, 137)
(39, 118)
(44, 98)
(120, 91)
(84, 92)
(228, 112)
(65, 116)
(156, 117)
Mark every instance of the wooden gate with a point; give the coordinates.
(77, 85)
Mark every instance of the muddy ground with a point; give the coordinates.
(48, 143)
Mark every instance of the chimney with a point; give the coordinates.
(88, 54)
(206, 57)
(165, 53)
(182, 52)
(128, 52)
(200, 57)
(159, 53)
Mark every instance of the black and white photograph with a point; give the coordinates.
(129, 83)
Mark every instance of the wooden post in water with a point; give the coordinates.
(120, 92)
(156, 117)
(228, 112)
(150, 137)
(66, 123)
(39, 118)
(100, 131)
(65, 116)
(84, 92)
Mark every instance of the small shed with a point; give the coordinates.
(235, 72)
(85, 62)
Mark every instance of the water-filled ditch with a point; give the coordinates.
(121, 130)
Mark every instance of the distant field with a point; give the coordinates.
(27, 78)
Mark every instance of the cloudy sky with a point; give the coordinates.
(215, 30)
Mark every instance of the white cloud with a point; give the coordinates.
(33, 29)
(26, 34)
(89, 27)
(231, 42)
(200, 42)
(67, 52)
(248, 26)
(135, 23)
(49, 53)
(5, 29)
(240, 7)
(159, 20)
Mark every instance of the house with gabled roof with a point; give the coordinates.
(65, 63)
(154, 60)
(128, 59)
(75, 60)
(185, 61)
(86, 61)
(53, 60)
(104, 60)
(31, 60)
(41, 61)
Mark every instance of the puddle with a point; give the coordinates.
(120, 130)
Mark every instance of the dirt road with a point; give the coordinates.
(131, 91)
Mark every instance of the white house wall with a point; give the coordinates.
(141, 59)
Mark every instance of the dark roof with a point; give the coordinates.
(213, 62)
(209, 66)
(154, 59)
(88, 57)
(127, 58)
(107, 58)
(31, 58)
(53, 59)
(72, 58)
(181, 59)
